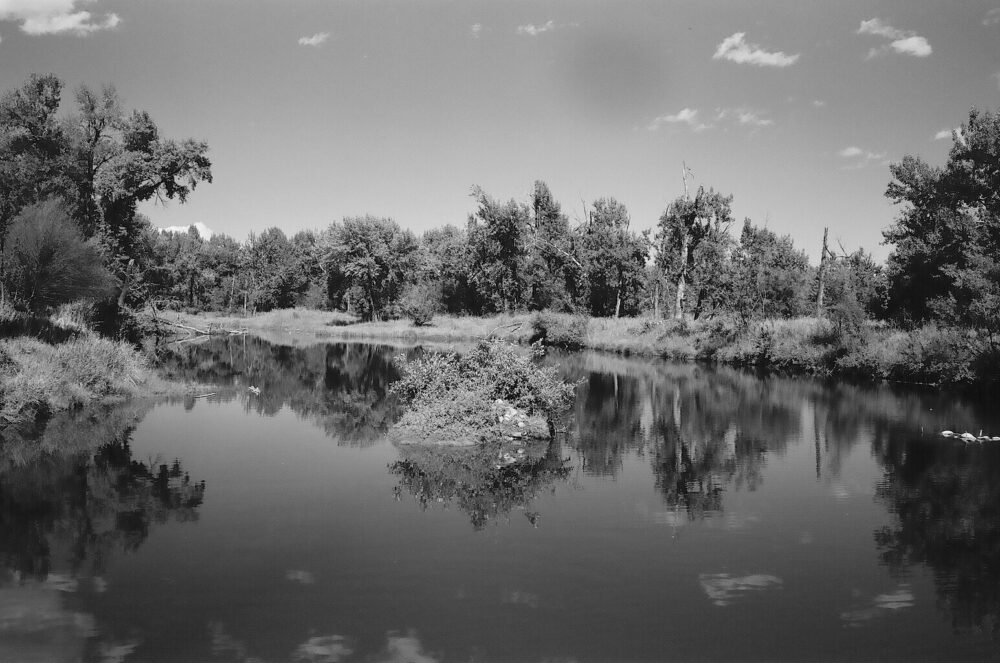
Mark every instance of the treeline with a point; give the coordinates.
(70, 186)
(517, 256)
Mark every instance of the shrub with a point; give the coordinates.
(459, 398)
(559, 330)
(421, 302)
(936, 355)
(48, 262)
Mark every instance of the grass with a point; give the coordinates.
(808, 345)
(49, 365)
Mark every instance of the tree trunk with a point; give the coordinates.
(679, 303)
(822, 277)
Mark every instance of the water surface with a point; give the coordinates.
(687, 513)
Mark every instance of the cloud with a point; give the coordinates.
(735, 49)
(992, 17)
(904, 42)
(860, 157)
(476, 29)
(314, 40)
(944, 134)
(724, 589)
(530, 30)
(688, 116)
(743, 116)
(48, 17)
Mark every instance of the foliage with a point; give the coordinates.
(498, 235)
(614, 260)
(770, 278)
(945, 264)
(692, 236)
(421, 302)
(559, 330)
(455, 396)
(370, 258)
(39, 378)
(48, 262)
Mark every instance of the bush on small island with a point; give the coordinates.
(493, 392)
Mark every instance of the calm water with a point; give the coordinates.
(686, 514)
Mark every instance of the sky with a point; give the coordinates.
(320, 109)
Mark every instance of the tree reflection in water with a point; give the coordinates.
(77, 489)
(945, 498)
(71, 496)
(342, 387)
(477, 480)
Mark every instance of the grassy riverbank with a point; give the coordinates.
(48, 365)
(928, 355)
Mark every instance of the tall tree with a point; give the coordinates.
(372, 256)
(555, 272)
(684, 225)
(946, 240)
(614, 259)
(499, 237)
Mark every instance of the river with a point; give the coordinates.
(685, 513)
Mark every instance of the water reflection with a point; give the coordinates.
(477, 480)
(945, 501)
(69, 500)
(341, 387)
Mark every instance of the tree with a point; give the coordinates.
(556, 274)
(498, 250)
(944, 264)
(49, 263)
(683, 227)
(614, 260)
(770, 276)
(101, 162)
(32, 147)
(446, 255)
(374, 258)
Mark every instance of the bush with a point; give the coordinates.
(934, 355)
(421, 302)
(458, 399)
(48, 262)
(559, 330)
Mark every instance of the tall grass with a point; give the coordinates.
(37, 378)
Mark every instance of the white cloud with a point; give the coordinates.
(476, 29)
(992, 17)
(735, 49)
(860, 157)
(743, 116)
(688, 116)
(530, 30)
(46, 17)
(875, 26)
(944, 134)
(905, 42)
(916, 46)
(314, 40)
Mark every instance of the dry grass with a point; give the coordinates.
(337, 325)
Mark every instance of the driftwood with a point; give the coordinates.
(194, 331)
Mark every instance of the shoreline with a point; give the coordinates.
(925, 357)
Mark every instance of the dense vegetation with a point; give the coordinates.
(69, 230)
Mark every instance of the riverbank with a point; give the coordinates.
(928, 355)
(38, 379)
